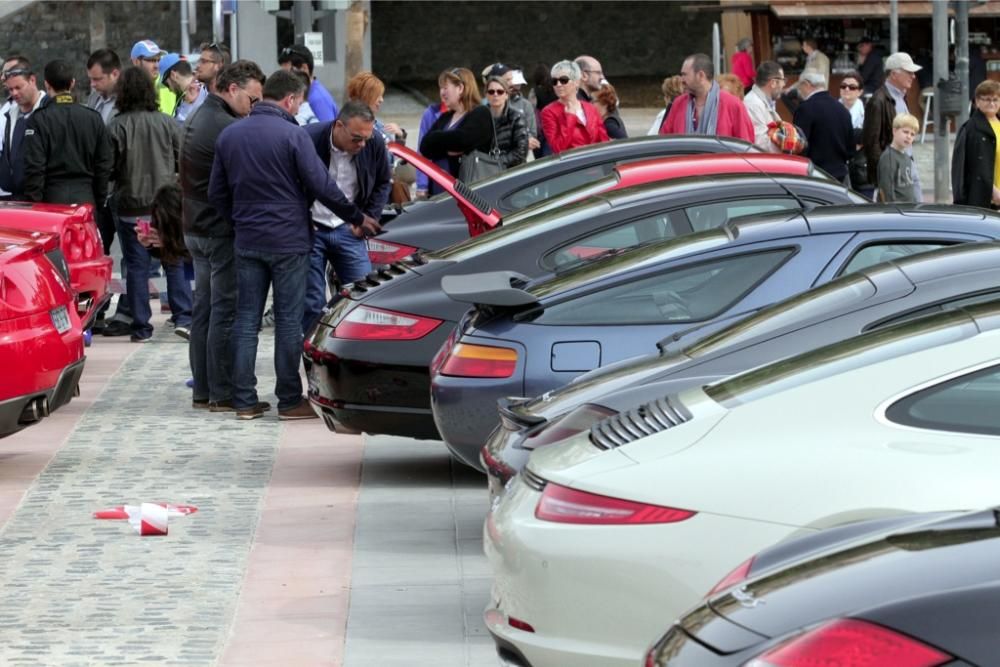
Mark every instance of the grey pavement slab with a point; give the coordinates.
(420, 580)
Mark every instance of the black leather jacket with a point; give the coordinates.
(512, 137)
(67, 154)
(197, 155)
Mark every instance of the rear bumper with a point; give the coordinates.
(91, 281)
(21, 411)
(404, 422)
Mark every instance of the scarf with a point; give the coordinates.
(709, 115)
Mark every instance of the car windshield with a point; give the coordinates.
(534, 165)
(879, 345)
(825, 300)
(510, 234)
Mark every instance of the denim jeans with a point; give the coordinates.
(210, 348)
(286, 274)
(179, 295)
(137, 262)
(349, 256)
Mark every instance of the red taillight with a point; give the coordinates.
(80, 241)
(385, 252)
(736, 576)
(445, 350)
(479, 361)
(848, 642)
(366, 323)
(519, 624)
(564, 505)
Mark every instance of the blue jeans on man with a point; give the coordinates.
(211, 351)
(286, 275)
(349, 256)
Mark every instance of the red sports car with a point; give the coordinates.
(41, 336)
(80, 242)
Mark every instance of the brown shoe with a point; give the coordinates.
(227, 406)
(301, 411)
(253, 412)
(200, 404)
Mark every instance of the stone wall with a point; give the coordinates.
(415, 41)
(44, 31)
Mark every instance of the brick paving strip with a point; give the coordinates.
(77, 591)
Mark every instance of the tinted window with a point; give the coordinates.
(966, 404)
(556, 185)
(687, 294)
(826, 300)
(841, 357)
(626, 235)
(716, 214)
(884, 252)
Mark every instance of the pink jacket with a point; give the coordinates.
(734, 121)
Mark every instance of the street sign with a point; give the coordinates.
(314, 42)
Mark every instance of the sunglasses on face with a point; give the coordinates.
(848, 86)
(562, 80)
(496, 91)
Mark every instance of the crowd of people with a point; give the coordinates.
(251, 184)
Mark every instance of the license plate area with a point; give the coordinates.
(60, 319)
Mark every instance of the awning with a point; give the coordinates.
(799, 9)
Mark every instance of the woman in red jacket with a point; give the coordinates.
(569, 121)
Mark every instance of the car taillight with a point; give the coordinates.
(736, 576)
(367, 323)
(386, 252)
(564, 505)
(479, 361)
(570, 424)
(78, 242)
(445, 350)
(848, 642)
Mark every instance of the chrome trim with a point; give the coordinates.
(637, 423)
(533, 481)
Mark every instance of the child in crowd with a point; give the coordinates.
(895, 166)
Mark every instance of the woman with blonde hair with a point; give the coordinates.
(465, 127)
(672, 87)
(569, 121)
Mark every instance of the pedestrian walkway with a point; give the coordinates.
(308, 547)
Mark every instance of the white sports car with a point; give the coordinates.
(610, 535)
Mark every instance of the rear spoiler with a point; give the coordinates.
(493, 288)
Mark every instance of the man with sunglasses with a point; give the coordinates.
(299, 57)
(146, 56)
(759, 102)
(209, 237)
(213, 58)
(25, 98)
(359, 163)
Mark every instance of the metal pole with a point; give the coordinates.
(218, 27)
(962, 56)
(716, 48)
(234, 49)
(302, 19)
(942, 177)
(185, 29)
(894, 25)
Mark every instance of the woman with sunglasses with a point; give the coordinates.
(570, 122)
(512, 131)
(467, 125)
(851, 89)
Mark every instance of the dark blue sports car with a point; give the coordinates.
(524, 339)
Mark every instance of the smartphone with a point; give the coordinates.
(142, 226)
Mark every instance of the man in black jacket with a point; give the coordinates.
(826, 124)
(359, 163)
(67, 153)
(209, 237)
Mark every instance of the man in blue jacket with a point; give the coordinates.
(826, 124)
(264, 175)
(359, 163)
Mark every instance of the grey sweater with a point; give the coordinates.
(895, 176)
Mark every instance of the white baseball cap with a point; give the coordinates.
(901, 60)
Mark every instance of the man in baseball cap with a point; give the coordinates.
(885, 103)
(177, 75)
(146, 55)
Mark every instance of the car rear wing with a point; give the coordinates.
(480, 216)
(493, 288)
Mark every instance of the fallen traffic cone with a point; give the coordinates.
(119, 512)
(148, 518)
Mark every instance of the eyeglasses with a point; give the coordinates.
(562, 80)
(848, 86)
(988, 100)
(356, 139)
(777, 78)
(594, 71)
(253, 100)
(15, 71)
(496, 91)
(154, 59)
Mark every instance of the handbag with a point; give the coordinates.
(477, 165)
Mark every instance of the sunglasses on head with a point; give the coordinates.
(849, 86)
(496, 91)
(562, 80)
(16, 71)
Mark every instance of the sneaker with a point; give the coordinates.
(117, 328)
(248, 413)
(227, 406)
(183, 332)
(301, 411)
(98, 326)
(139, 339)
(200, 404)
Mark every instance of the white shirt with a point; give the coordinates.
(9, 113)
(761, 112)
(343, 171)
(857, 114)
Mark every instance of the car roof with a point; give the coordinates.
(679, 166)
(920, 216)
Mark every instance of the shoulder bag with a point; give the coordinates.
(477, 165)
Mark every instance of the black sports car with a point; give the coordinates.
(918, 590)
(466, 208)
(368, 357)
(874, 297)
